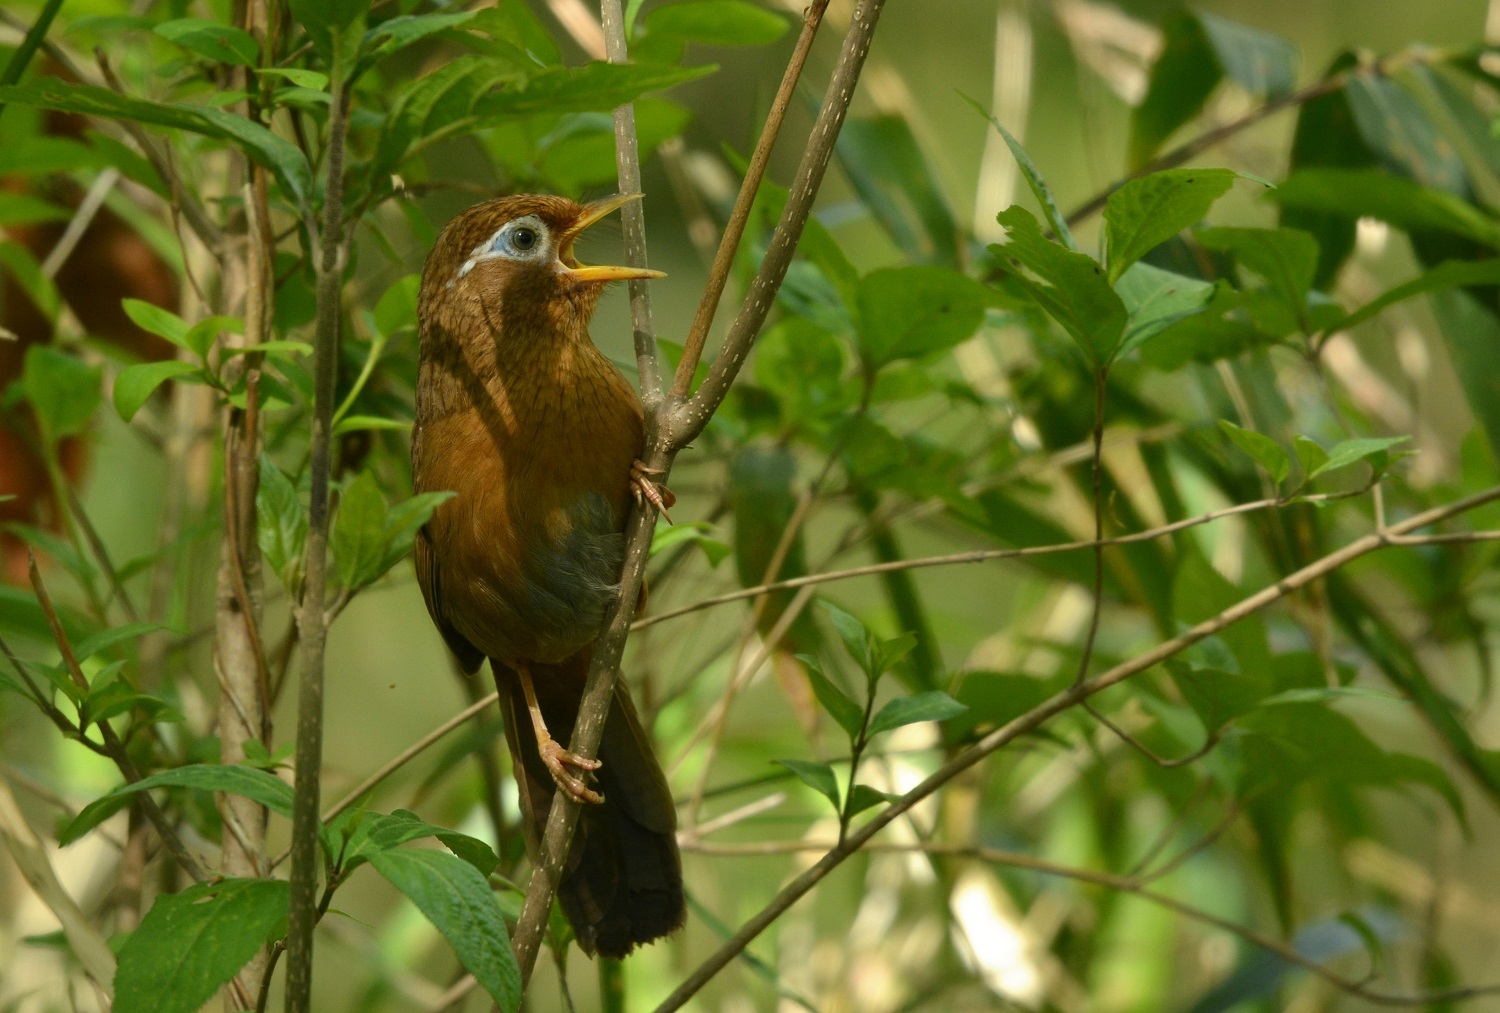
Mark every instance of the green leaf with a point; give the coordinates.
(26, 271)
(135, 384)
(399, 32)
(1471, 334)
(358, 423)
(1310, 454)
(895, 181)
(849, 715)
(1370, 193)
(1198, 50)
(1146, 212)
(403, 522)
(63, 391)
(200, 337)
(104, 640)
(1262, 449)
(161, 322)
(283, 158)
(459, 903)
(1448, 274)
(667, 30)
(281, 522)
(1074, 290)
(359, 535)
(1056, 220)
(909, 312)
(1369, 937)
(1285, 258)
(817, 776)
(1157, 299)
(301, 77)
(1349, 451)
(26, 209)
(396, 310)
(1218, 696)
(223, 43)
(862, 797)
(379, 832)
(191, 943)
(933, 705)
(852, 632)
(256, 785)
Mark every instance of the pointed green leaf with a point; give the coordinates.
(1310, 454)
(933, 705)
(379, 832)
(909, 312)
(863, 797)
(103, 641)
(191, 943)
(1262, 449)
(817, 776)
(460, 904)
(1157, 299)
(1448, 274)
(359, 535)
(1029, 172)
(135, 384)
(223, 43)
(852, 632)
(62, 390)
(1349, 451)
(253, 784)
(1285, 258)
(845, 711)
(1146, 212)
(281, 521)
(1371, 193)
(1073, 291)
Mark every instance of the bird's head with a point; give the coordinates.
(510, 261)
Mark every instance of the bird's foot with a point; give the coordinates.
(645, 488)
(558, 760)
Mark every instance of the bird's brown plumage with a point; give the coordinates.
(536, 431)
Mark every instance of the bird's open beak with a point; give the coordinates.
(598, 273)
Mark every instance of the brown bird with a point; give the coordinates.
(540, 437)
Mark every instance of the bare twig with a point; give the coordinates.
(985, 555)
(1050, 708)
(1125, 884)
(718, 276)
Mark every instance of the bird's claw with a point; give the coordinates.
(558, 760)
(646, 489)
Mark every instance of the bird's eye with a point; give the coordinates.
(524, 239)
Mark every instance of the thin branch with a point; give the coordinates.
(985, 555)
(633, 218)
(1048, 709)
(690, 418)
(1191, 149)
(311, 622)
(1125, 884)
(113, 747)
(408, 754)
(674, 429)
(729, 245)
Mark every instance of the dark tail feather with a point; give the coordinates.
(622, 884)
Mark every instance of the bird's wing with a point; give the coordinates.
(429, 578)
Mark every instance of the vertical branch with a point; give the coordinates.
(718, 275)
(690, 419)
(679, 426)
(312, 622)
(239, 654)
(633, 218)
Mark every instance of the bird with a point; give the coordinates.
(539, 437)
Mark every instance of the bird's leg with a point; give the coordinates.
(557, 759)
(644, 487)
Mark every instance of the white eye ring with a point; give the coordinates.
(525, 239)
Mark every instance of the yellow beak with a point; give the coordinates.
(592, 213)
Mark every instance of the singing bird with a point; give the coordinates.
(540, 437)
